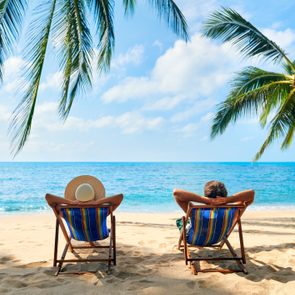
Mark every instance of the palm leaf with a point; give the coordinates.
(129, 6)
(228, 25)
(21, 123)
(251, 78)
(282, 124)
(289, 136)
(103, 13)
(11, 18)
(168, 10)
(253, 90)
(76, 53)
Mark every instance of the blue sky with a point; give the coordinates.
(158, 100)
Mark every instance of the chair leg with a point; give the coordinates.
(110, 253)
(180, 239)
(55, 243)
(64, 253)
(234, 254)
(194, 268)
(185, 252)
(241, 241)
(221, 244)
(114, 240)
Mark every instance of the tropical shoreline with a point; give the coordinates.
(253, 208)
(148, 259)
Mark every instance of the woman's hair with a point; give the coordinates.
(215, 189)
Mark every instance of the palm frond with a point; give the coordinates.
(282, 124)
(21, 123)
(289, 69)
(251, 78)
(76, 53)
(103, 12)
(129, 6)
(229, 26)
(253, 90)
(289, 136)
(274, 98)
(168, 10)
(11, 18)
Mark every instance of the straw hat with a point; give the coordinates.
(84, 188)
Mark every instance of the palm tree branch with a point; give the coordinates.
(281, 124)
(235, 106)
(21, 123)
(252, 78)
(289, 137)
(66, 52)
(103, 12)
(230, 26)
(129, 6)
(77, 53)
(11, 18)
(168, 10)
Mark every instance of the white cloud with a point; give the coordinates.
(130, 88)
(165, 103)
(189, 129)
(128, 122)
(133, 122)
(196, 11)
(12, 80)
(4, 114)
(199, 107)
(35, 145)
(47, 107)
(12, 66)
(208, 117)
(283, 38)
(133, 56)
(52, 81)
(192, 70)
(158, 44)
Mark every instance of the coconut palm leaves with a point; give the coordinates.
(23, 114)
(65, 21)
(255, 91)
(76, 52)
(103, 13)
(11, 17)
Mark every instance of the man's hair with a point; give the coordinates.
(215, 189)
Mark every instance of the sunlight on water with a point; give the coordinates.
(146, 186)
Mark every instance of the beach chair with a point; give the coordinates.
(210, 226)
(86, 222)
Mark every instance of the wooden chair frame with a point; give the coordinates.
(60, 224)
(240, 259)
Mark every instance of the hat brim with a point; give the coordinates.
(99, 190)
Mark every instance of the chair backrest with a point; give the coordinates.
(86, 224)
(209, 225)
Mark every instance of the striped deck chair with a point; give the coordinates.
(211, 227)
(87, 223)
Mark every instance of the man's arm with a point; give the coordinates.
(184, 197)
(242, 197)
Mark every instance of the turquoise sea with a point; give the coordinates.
(146, 186)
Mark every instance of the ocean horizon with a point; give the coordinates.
(147, 186)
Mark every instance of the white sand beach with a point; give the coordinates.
(148, 261)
